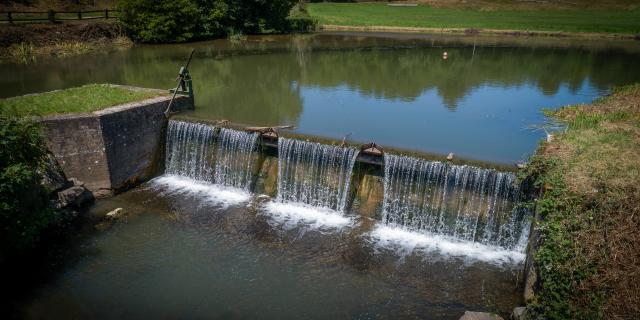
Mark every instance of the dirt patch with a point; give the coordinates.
(50, 34)
(25, 42)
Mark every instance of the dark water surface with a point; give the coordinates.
(396, 90)
(181, 255)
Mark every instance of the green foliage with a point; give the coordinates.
(559, 273)
(299, 19)
(182, 20)
(159, 20)
(24, 212)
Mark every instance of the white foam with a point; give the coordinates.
(293, 215)
(405, 242)
(205, 192)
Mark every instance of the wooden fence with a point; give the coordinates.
(56, 16)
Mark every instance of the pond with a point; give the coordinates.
(483, 102)
(180, 254)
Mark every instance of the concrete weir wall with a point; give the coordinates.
(115, 148)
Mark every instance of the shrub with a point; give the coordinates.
(159, 20)
(299, 19)
(24, 211)
(182, 20)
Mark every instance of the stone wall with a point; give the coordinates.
(112, 149)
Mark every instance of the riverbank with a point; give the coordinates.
(26, 42)
(587, 261)
(591, 23)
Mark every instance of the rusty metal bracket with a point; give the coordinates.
(372, 149)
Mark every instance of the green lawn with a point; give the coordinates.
(379, 14)
(81, 99)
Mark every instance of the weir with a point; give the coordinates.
(235, 158)
(463, 202)
(314, 174)
(189, 150)
(460, 202)
(190, 153)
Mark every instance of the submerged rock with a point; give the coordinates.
(471, 315)
(115, 214)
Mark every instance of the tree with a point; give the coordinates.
(159, 20)
(24, 210)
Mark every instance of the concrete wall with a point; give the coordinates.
(112, 149)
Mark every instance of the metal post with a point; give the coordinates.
(9, 16)
(52, 16)
(79, 15)
(106, 13)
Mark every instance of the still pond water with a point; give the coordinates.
(482, 102)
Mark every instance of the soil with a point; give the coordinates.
(40, 35)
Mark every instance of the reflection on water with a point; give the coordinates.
(396, 90)
(174, 257)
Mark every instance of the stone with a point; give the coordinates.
(53, 178)
(519, 313)
(115, 214)
(450, 156)
(370, 195)
(471, 315)
(267, 181)
(76, 182)
(75, 196)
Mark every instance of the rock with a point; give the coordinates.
(521, 165)
(75, 196)
(450, 156)
(470, 315)
(550, 137)
(115, 214)
(76, 182)
(369, 196)
(519, 313)
(53, 178)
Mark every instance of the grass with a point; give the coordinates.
(588, 262)
(87, 98)
(571, 20)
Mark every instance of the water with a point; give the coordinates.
(462, 202)
(188, 150)
(395, 90)
(173, 257)
(315, 174)
(235, 158)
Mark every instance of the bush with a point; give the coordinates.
(182, 20)
(24, 210)
(159, 20)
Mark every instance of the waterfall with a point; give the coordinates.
(188, 150)
(464, 202)
(235, 157)
(315, 174)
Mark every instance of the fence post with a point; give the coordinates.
(106, 13)
(10, 17)
(52, 16)
(79, 15)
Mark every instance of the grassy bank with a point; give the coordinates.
(423, 16)
(87, 98)
(26, 42)
(588, 261)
